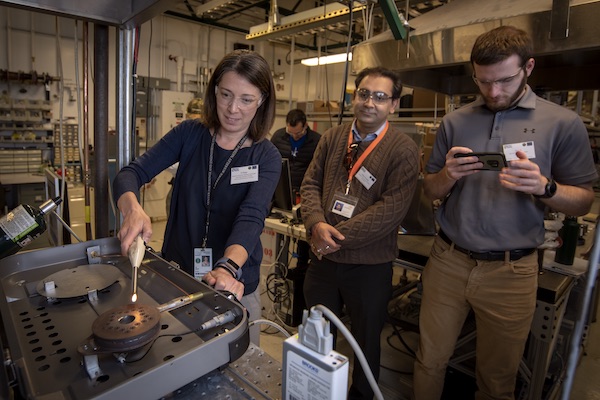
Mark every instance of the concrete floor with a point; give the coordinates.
(397, 362)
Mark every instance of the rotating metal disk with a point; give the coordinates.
(78, 281)
(126, 328)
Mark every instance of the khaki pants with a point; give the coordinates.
(502, 295)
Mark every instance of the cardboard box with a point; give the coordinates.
(423, 98)
(429, 138)
(318, 106)
(324, 106)
(306, 106)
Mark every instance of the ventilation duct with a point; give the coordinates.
(437, 54)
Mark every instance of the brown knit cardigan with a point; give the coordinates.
(371, 233)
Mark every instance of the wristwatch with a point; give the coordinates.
(230, 266)
(549, 189)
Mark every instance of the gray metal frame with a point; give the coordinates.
(43, 335)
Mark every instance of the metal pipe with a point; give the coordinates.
(86, 149)
(180, 302)
(101, 176)
(292, 51)
(346, 68)
(124, 59)
(594, 107)
(576, 337)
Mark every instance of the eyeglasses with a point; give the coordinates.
(350, 157)
(301, 132)
(225, 97)
(378, 97)
(500, 82)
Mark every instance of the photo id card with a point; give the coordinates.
(344, 204)
(510, 150)
(202, 262)
(248, 173)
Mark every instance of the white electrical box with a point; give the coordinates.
(309, 375)
(172, 109)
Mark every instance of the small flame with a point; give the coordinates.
(134, 298)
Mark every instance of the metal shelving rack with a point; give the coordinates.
(72, 154)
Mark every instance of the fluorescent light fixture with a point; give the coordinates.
(335, 58)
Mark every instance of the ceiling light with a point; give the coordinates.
(335, 58)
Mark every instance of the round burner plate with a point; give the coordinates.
(126, 328)
(79, 281)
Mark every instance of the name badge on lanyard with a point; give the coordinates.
(344, 204)
(202, 262)
(248, 173)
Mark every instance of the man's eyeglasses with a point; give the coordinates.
(300, 132)
(378, 97)
(500, 82)
(225, 97)
(350, 157)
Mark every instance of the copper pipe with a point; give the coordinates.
(86, 151)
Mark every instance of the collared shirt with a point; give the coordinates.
(480, 214)
(370, 136)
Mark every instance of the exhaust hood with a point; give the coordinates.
(436, 56)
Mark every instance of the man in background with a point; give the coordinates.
(297, 142)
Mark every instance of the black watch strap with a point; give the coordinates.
(231, 266)
(549, 189)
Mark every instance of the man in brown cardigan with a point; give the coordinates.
(355, 194)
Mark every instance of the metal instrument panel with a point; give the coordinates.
(43, 334)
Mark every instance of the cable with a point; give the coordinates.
(67, 227)
(355, 347)
(406, 346)
(270, 323)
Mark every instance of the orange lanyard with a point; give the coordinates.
(364, 155)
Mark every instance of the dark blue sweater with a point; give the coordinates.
(237, 211)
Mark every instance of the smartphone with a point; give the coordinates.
(491, 161)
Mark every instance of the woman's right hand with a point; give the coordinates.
(135, 221)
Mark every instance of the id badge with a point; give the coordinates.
(202, 262)
(365, 178)
(248, 173)
(510, 150)
(344, 204)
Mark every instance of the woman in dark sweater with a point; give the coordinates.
(224, 184)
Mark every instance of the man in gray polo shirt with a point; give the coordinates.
(491, 222)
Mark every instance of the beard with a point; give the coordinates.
(506, 102)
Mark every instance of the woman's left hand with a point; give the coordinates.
(221, 279)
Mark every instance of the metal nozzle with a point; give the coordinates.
(180, 301)
(136, 256)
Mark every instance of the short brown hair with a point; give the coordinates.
(500, 43)
(255, 69)
(294, 116)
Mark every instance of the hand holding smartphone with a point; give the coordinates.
(491, 161)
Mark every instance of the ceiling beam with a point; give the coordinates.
(319, 17)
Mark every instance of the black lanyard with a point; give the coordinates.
(211, 187)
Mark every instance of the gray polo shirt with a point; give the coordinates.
(481, 215)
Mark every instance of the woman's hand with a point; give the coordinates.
(135, 221)
(221, 279)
